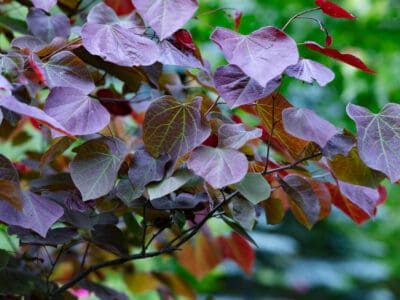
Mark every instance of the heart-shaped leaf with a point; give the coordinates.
(66, 70)
(235, 135)
(378, 139)
(75, 111)
(169, 184)
(263, 55)
(218, 166)
(307, 125)
(10, 103)
(333, 10)
(308, 70)
(343, 57)
(38, 213)
(95, 168)
(44, 4)
(166, 16)
(48, 27)
(174, 128)
(237, 89)
(254, 188)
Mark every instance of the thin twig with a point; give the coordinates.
(212, 106)
(84, 256)
(53, 265)
(298, 15)
(144, 228)
(292, 165)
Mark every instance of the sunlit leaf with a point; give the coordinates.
(166, 16)
(254, 188)
(308, 70)
(174, 128)
(378, 138)
(263, 55)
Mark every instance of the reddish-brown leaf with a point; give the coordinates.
(343, 57)
(334, 10)
(121, 7)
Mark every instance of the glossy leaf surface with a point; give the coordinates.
(235, 135)
(333, 10)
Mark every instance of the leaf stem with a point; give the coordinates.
(292, 165)
(298, 15)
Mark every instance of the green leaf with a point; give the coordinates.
(13, 24)
(243, 212)
(170, 184)
(95, 168)
(254, 187)
(174, 128)
(4, 258)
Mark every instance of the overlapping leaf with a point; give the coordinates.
(75, 111)
(47, 27)
(263, 55)
(95, 168)
(340, 143)
(308, 70)
(113, 42)
(9, 183)
(166, 16)
(38, 213)
(343, 57)
(254, 187)
(235, 135)
(121, 7)
(169, 184)
(378, 140)
(237, 89)
(218, 166)
(44, 4)
(174, 128)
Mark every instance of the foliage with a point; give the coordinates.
(138, 155)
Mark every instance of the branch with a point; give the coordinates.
(292, 165)
(298, 15)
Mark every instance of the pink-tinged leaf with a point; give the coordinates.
(340, 143)
(305, 124)
(308, 70)
(179, 50)
(75, 111)
(44, 4)
(304, 201)
(48, 27)
(328, 41)
(236, 88)
(102, 14)
(333, 10)
(95, 168)
(38, 213)
(65, 69)
(174, 128)
(28, 42)
(235, 135)
(121, 7)
(263, 55)
(378, 138)
(343, 57)
(166, 16)
(10, 103)
(218, 166)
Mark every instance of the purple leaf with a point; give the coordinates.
(44, 4)
(18, 107)
(182, 201)
(172, 54)
(95, 168)
(174, 128)
(74, 202)
(218, 166)
(48, 27)
(305, 203)
(166, 16)
(102, 14)
(75, 111)
(237, 89)
(53, 237)
(28, 42)
(340, 143)
(235, 135)
(65, 69)
(308, 70)
(363, 197)
(305, 124)
(263, 55)
(38, 213)
(378, 139)
(4, 85)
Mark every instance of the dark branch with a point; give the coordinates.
(292, 165)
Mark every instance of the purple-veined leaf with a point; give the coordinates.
(38, 213)
(75, 111)
(48, 27)
(263, 55)
(169, 184)
(44, 4)
(166, 16)
(254, 187)
(218, 166)
(378, 139)
(174, 128)
(308, 70)
(182, 201)
(95, 168)
(28, 42)
(18, 107)
(65, 69)
(305, 124)
(102, 14)
(340, 143)
(235, 135)
(236, 88)
(304, 201)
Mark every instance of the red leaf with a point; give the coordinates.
(119, 107)
(184, 39)
(211, 141)
(335, 54)
(333, 10)
(328, 41)
(239, 250)
(237, 18)
(36, 69)
(382, 194)
(121, 7)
